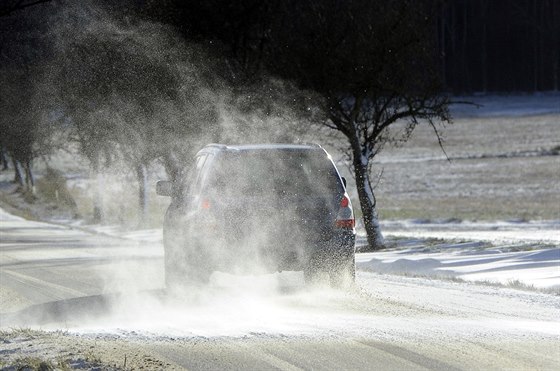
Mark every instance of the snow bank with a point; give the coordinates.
(5, 216)
(538, 268)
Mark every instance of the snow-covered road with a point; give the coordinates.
(106, 294)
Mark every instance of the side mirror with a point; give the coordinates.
(343, 181)
(164, 188)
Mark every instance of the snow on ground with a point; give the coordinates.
(498, 232)
(538, 268)
(510, 253)
(154, 235)
(5, 216)
(508, 105)
(450, 321)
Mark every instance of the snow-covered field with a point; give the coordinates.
(512, 105)
(504, 164)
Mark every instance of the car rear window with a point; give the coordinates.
(285, 173)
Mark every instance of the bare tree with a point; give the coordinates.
(365, 122)
(132, 92)
(375, 66)
(23, 137)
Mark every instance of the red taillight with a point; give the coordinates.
(345, 223)
(345, 217)
(207, 221)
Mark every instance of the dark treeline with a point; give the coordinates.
(482, 45)
(499, 45)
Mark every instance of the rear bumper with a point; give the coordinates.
(284, 254)
(341, 244)
(227, 252)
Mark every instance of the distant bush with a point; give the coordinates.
(52, 188)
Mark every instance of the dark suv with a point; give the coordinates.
(259, 208)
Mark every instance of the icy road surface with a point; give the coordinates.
(106, 294)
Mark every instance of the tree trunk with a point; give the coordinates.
(367, 201)
(18, 172)
(29, 179)
(3, 158)
(142, 177)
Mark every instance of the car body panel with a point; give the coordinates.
(237, 208)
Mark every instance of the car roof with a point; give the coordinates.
(256, 147)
